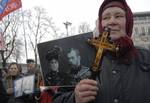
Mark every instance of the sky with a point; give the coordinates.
(78, 11)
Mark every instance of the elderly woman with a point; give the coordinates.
(125, 77)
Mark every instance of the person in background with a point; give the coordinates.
(14, 72)
(3, 75)
(31, 66)
(125, 77)
(3, 94)
(33, 69)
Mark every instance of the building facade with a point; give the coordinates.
(141, 29)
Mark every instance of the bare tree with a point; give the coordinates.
(17, 52)
(37, 26)
(84, 28)
(10, 29)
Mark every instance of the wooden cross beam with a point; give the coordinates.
(101, 43)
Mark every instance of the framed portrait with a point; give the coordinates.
(66, 61)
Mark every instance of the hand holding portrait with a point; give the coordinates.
(86, 91)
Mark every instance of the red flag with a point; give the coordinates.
(11, 6)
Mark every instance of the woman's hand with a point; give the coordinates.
(86, 91)
(10, 90)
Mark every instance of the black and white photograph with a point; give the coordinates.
(66, 61)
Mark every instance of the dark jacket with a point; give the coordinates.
(119, 82)
(12, 98)
(79, 73)
(54, 78)
(3, 95)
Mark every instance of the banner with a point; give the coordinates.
(8, 6)
(3, 4)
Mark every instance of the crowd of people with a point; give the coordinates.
(14, 72)
(124, 75)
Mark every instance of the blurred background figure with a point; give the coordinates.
(31, 66)
(34, 69)
(14, 72)
(3, 95)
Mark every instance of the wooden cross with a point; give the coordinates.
(101, 43)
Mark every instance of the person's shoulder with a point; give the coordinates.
(143, 53)
(144, 58)
(142, 48)
(20, 76)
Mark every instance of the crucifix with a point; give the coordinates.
(101, 43)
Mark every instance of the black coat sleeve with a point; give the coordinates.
(144, 59)
(3, 94)
(64, 96)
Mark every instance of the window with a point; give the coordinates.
(148, 30)
(136, 31)
(142, 31)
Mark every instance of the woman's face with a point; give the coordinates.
(13, 70)
(115, 19)
(54, 65)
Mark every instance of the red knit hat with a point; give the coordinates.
(121, 4)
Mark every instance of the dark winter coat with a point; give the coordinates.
(119, 82)
(3, 95)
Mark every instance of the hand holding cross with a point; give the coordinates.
(101, 43)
